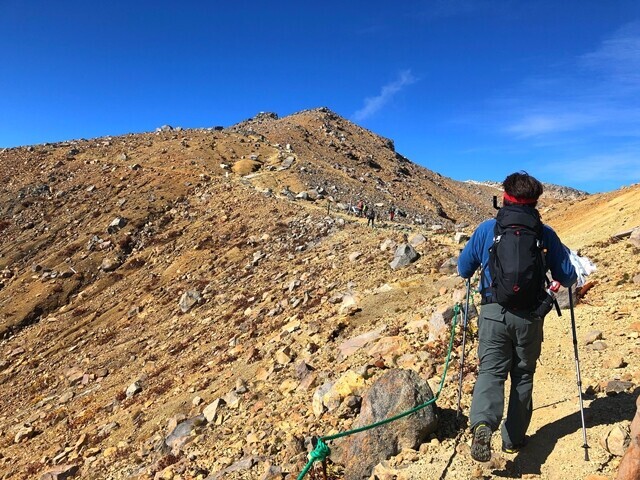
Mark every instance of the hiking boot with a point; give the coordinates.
(481, 444)
(513, 449)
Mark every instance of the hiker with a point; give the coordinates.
(509, 328)
(365, 207)
(359, 207)
(392, 213)
(371, 217)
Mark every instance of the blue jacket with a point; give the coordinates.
(476, 254)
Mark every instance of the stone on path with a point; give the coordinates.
(461, 237)
(417, 239)
(387, 244)
(352, 345)
(61, 472)
(449, 266)
(592, 336)
(184, 433)
(109, 264)
(634, 238)
(614, 361)
(598, 345)
(440, 321)
(133, 389)
(116, 224)
(615, 440)
(389, 349)
(211, 410)
(355, 256)
(405, 255)
(188, 300)
(615, 387)
(394, 392)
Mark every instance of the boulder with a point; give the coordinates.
(394, 392)
(211, 410)
(317, 403)
(614, 387)
(405, 255)
(614, 361)
(350, 383)
(287, 162)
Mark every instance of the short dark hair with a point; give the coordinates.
(522, 185)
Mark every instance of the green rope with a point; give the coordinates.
(322, 450)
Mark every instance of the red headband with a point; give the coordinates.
(520, 201)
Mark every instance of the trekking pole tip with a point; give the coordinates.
(586, 452)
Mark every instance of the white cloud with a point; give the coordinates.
(598, 95)
(373, 104)
(621, 167)
(536, 124)
(618, 57)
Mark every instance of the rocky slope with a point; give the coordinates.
(169, 308)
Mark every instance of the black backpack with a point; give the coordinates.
(516, 259)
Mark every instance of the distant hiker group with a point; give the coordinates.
(364, 210)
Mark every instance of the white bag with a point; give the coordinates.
(584, 267)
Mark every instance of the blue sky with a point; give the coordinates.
(473, 89)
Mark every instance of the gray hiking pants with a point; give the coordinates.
(509, 344)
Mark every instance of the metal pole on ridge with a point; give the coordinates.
(579, 379)
(464, 341)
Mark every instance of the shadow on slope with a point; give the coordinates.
(602, 411)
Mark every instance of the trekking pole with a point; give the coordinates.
(464, 341)
(579, 379)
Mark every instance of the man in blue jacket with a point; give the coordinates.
(509, 339)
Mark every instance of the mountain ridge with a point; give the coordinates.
(148, 277)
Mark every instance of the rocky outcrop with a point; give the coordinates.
(394, 392)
